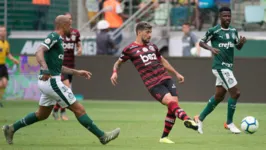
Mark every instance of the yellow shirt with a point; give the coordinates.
(4, 50)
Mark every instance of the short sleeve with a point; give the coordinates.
(50, 40)
(208, 36)
(194, 38)
(124, 56)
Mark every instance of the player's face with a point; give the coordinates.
(2, 32)
(70, 18)
(225, 18)
(146, 35)
(186, 29)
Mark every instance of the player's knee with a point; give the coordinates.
(41, 116)
(236, 95)
(219, 98)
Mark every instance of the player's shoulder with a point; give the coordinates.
(53, 35)
(74, 31)
(231, 28)
(215, 29)
(152, 46)
(131, 46)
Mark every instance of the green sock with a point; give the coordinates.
(208, 109)
(28, 120)
(88, 124)
(231, 110)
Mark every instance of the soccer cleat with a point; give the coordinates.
(64, 116)
(200, 124)
(166, 140)
(232, 128)
(109, 136)
(191, 124)
(55, 115)
(8, 133)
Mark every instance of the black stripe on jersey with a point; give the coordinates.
(154, 75)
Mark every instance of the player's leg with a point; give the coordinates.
(67, 81)
(66, 99)
(3, 85)
(55, 111)
(41, 114)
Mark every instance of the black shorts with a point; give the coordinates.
(166, 86)
(3, 72)
(66, 77)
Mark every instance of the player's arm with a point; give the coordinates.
(171, 69)
(116, 67)
(40, 59)
(70, 71)
(203, 42)
(240, 42)
(10, 56)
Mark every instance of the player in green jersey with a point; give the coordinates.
(223, 39)
(50, 56)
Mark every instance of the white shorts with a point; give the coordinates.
(225, 78)
(54, 91)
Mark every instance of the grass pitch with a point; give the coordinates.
(141, 126)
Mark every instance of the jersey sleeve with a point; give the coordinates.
(208, 36)
(124, 56)
(158, 54)
(8, 48)
(78, 37)
(50, 40)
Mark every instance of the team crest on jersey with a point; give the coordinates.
(227, 36)
(73, 37)
(151, 48)
(47, 41)
(144, 49)
(67, 39)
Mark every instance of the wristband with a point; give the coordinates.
(114, 71)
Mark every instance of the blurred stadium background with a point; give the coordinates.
(167, 17)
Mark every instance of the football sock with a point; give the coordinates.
(209, 108)
(63, 110)
(88, 124)
(179, 113)
(168, 123)
(56, 107)
(28, 120)
(231, 109)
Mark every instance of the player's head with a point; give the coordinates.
(2, 32)
(62, 23)
(186, 28)
(225, 16)
(69, 16)
(143, 31)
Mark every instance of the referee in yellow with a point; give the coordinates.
(4, 52)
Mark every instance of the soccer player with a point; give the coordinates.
(153, 67)
(50, 56)
(4, 52)
(223, 38)
(70, 43)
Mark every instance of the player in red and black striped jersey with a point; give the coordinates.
(153, 69)
(70, 44)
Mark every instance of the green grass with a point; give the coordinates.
(141, 126)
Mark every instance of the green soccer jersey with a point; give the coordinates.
(224, 40)
(54, 56)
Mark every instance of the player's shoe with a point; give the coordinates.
(166, 140)
(55, 115)
(109, 136)
(200, 124)
(232, 127)
(8, 133)
(64, 116)
(189, 123)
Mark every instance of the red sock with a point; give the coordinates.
(63, 110)
(56, 107)
(168, 123)
(179, 113)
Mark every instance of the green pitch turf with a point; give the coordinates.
(141, 126)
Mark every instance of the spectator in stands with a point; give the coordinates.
(105, 45)
(42, 8)
(189, 41)
(114, 15)
(92, 8)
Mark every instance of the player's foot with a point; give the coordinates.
(1, 105)
(200, 124)
(8, 133)
(189, 123)
(64, 116)
(109, 136)
(166, 140)
(55, 115)
(232, 127)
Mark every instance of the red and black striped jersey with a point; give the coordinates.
(69, 45)
(147, 60)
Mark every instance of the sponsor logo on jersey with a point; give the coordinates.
(68, 45)
(61, 56)
(144, 49)
(73, 37)
(47, 41)
(226, 45)
(147, 58)
(227, 64)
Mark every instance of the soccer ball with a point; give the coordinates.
(193, 51)
(249, 124)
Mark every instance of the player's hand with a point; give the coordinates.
(215, 51)
(79, 52)
(45, 77)
(84, 73)
(16, 62)
(114, 78)
(242, 40)
(180, 78)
